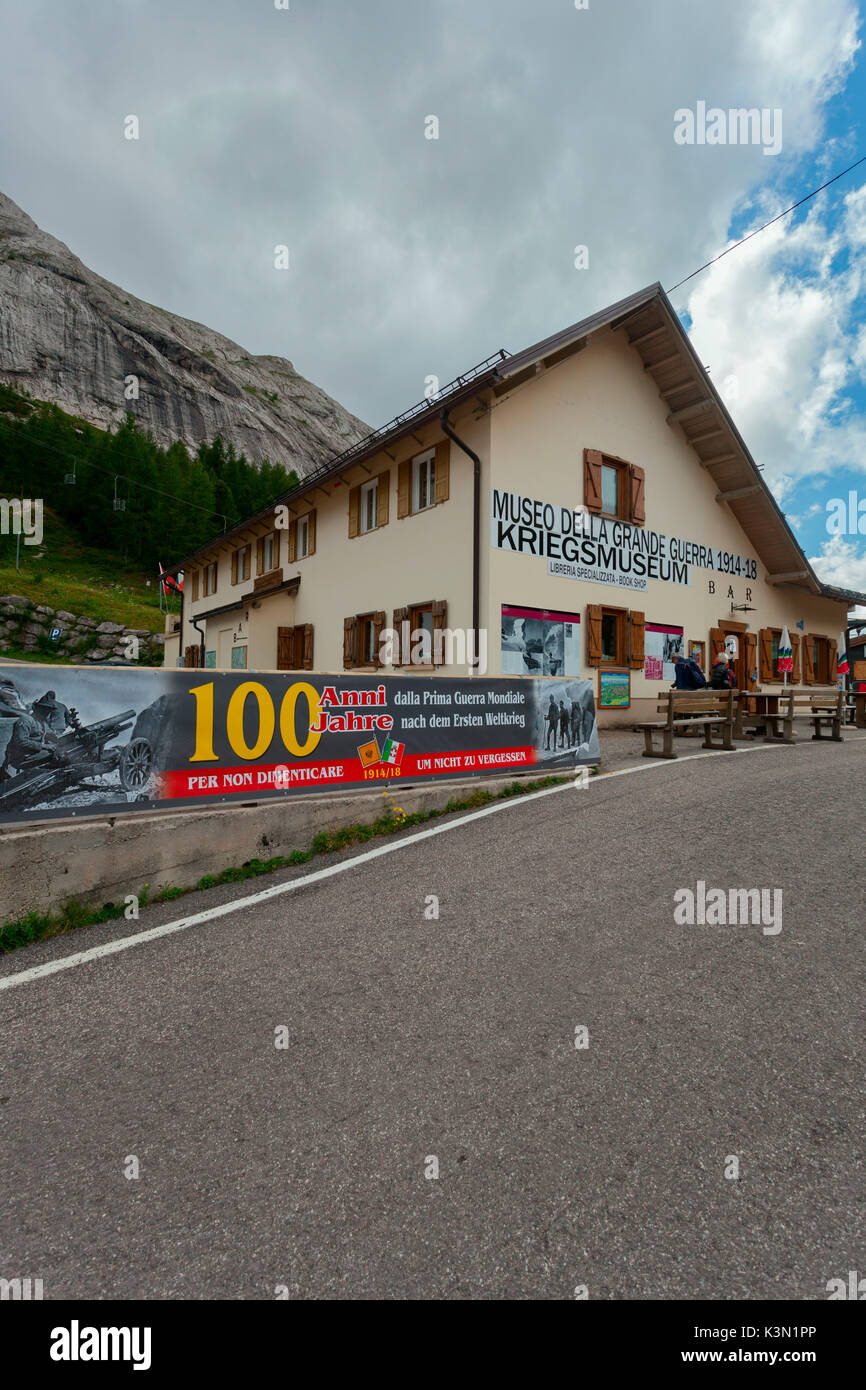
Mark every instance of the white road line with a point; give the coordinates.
(39, 972)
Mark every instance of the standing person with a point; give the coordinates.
(576, 724)
(552, 718)
(720, 676)
(563, 724)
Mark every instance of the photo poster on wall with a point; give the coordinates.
(540, 642)
(662, 642)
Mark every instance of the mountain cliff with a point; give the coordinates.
(70, 337)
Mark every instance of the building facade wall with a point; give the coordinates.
(601, 399)
(531, 442)
(415, 559)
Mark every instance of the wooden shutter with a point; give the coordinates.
(350, 641)
(832, 671)
(750, 660)
(378, 624)
(354, 511)
(637, 510)
(593, 634)
(260, 555)
(766, 663)
(717, 646)
(234, 567)
(311, 534)
(382, 498)
(195, 586)
(795, 657)
(592, 481)
(636, 640)
(401, 615)
(443, 470)
(440, 622)
(404, 488)
(808, 664)
(308, 646)
(293, 540)
(284, 648)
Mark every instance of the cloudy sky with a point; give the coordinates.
(307, 126)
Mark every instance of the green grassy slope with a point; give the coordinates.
(92, 583)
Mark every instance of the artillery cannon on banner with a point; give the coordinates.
(68, 763)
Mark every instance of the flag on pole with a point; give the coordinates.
(786, 652)
(842, 658)
(168, 583)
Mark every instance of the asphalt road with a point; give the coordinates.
(409, 1038)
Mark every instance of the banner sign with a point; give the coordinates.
(112, 740)
(662, 642)
(580, 545)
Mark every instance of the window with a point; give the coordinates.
(209, 580)
(368, 646)
(421, 619)
(295, 648)
(612, 636)
(302, 536)
(269, 548)
(615, 637)
(424, 481)
(369, 505)
(420, 628)
(362, 639)
(609, 490)
(242, 564)
(613, 488)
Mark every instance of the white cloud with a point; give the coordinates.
(409, 256)
(841, 563)
(783, 316)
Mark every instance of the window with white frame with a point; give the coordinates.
(424, 481)
(268, 554)
(302, 544)
(370, 505)
(243, 564)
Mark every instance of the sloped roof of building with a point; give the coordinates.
(654, 330)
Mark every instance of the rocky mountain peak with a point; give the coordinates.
(70, 337)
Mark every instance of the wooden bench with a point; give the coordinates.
(685, 709)
(824, 708)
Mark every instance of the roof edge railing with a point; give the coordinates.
(362, 445)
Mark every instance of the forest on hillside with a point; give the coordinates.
(170, 500)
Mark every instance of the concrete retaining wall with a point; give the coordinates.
(102, 860)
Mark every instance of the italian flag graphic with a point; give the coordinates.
(393, 752)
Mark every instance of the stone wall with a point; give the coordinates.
(27, 625)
